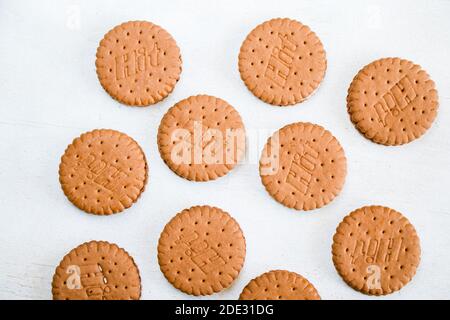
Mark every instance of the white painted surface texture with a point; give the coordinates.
(50, 94)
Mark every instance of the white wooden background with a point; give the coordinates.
(49, 94)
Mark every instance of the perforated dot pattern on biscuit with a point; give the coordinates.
(282, 62)
(279, 285)
(376, 250)
(392, 101)
(303, 166)
(138, 63)
(97, 270)
(103, 172)
(220, 130)
(201, 250)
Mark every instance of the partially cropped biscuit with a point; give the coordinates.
(282, 62)
(97, 270)
(392, 101)
(279, 285)
(138, 63)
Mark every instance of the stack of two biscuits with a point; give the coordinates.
(303, 166)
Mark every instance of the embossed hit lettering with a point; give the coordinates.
(200, 252)
(395, 100)
(136, 61)
(281, 61)
(377, 250)
(302, 168)
(104, 174)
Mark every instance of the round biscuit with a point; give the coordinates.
(201, 250)
(282, 62)
(303, 166)
(392, 101)
(201, 138)
(103, 172)
(138, 63)
(376, 250)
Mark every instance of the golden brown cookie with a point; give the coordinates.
(376, 250)
(392, 101)
(201, 138)
(279, 285)
(303, 166)
(97, 270)
(138, 63)
(282, 62)
(103, 172)
(201, 250)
